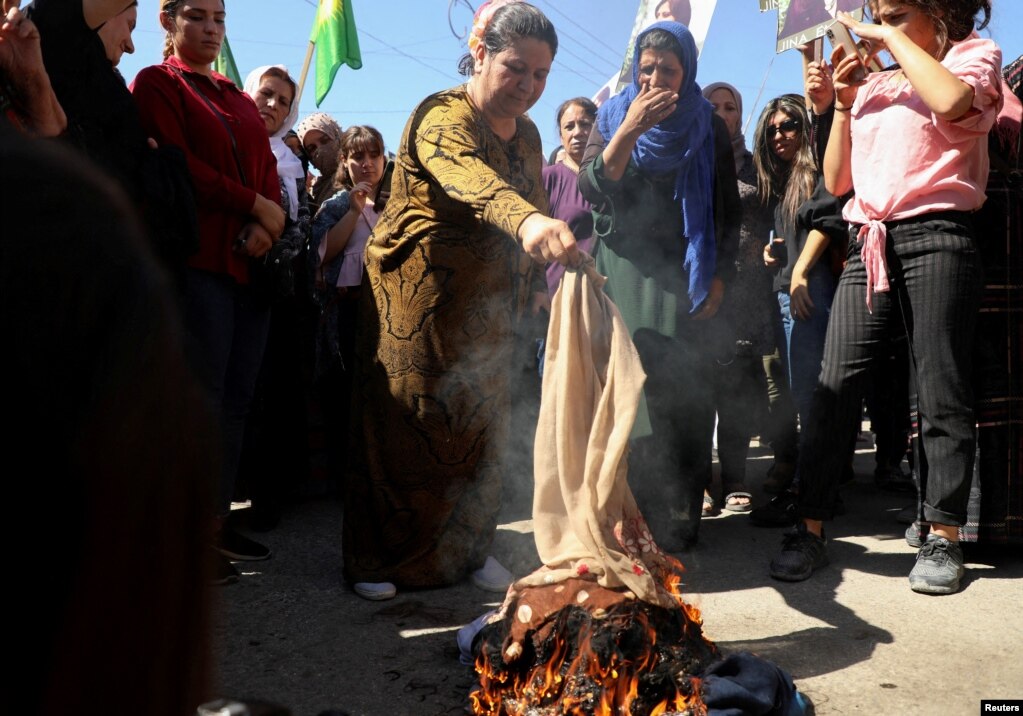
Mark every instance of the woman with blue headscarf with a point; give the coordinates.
(659, 172)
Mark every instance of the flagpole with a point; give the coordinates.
(760, 92)
(305, 71)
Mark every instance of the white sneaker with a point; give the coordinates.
(492, 577)
(375, 591)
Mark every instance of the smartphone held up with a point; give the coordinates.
(841, 37)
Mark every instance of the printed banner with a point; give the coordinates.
(803, 21)
(694, 14)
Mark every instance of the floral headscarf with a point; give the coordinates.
(482, 18)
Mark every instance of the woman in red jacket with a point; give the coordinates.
(238, 204)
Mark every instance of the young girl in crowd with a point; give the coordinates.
(339, 236)
(912, 143)
(185, 104)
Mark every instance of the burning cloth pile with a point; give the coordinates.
(602, 627)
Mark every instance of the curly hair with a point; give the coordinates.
(790, 182)
(953, 20)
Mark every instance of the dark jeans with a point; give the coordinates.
(227, 329)
(935, 276)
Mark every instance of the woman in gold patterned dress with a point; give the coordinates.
(443, 280)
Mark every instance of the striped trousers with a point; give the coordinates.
(935, 275)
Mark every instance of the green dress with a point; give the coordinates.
(445, 278)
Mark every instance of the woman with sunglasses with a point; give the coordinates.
(912, 143)
(805, 284)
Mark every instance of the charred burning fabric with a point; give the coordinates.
(602, 627)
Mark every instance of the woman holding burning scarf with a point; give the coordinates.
(443, 278)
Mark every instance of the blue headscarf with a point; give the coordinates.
(684, 144)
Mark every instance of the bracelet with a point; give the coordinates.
(842, 109)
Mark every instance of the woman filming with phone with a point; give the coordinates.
(912, 143)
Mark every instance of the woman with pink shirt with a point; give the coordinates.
(912, 143)
(339, 235)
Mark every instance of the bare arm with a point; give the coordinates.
(799, 289)
(340, 234)
(22, 63)
(837, 165)
(944, 94)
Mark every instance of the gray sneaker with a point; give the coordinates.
(916, 533)
(939, 567)
(801, 553)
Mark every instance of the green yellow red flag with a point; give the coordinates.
(337, 43)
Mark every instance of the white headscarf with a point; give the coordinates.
(289, 167)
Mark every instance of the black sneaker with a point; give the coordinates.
(223, 571)
(801, 553)
(237, 546)
(939, 567)
(779, 512)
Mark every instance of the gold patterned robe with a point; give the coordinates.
(446, 277)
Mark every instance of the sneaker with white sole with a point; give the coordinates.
(492, 577)
(375, 591)
(939, 567)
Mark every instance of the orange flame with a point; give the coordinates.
(613, 680)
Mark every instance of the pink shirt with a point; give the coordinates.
(907, 162)
(353, 262)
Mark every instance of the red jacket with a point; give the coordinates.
(173, 113)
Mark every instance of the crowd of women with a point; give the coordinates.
(763, 289)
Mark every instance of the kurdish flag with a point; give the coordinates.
(336, 43)
(224, 64)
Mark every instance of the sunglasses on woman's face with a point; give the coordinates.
(788, 128)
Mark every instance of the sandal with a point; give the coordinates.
(708, 504)
(733, 504)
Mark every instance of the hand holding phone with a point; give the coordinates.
(775, 251)
(841, 37)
